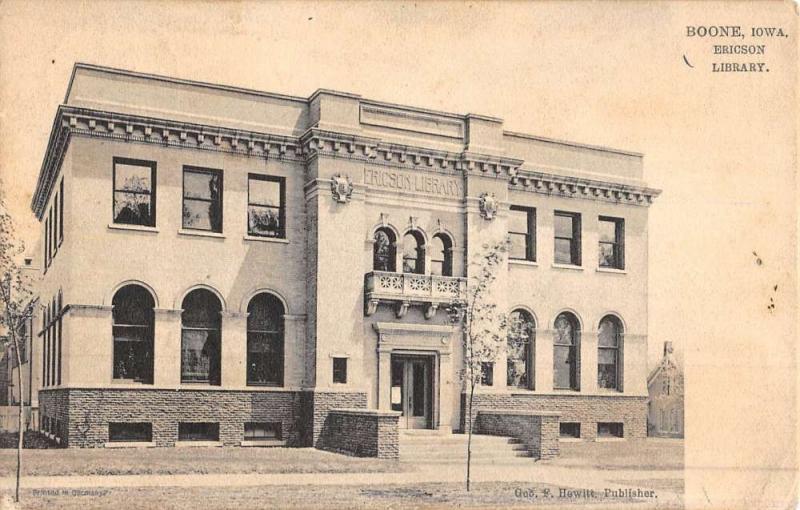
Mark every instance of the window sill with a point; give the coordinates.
(197, 444)
(566, 266)
(608, 439)
(130, 444)
(261, 443)
(521, 262)
(611, 270)
(200, 233)
(133, 228)
(279, 240)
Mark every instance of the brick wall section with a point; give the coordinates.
(316, 406)
(362, 433)
(86, 413)
(538, 431)
(54, 404)
(587, 410)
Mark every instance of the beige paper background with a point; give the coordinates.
(723, 147)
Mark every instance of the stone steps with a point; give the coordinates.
(452, 448)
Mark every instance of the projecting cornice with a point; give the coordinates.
(314, 143)
(578, 187)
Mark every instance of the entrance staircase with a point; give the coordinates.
(433, 447)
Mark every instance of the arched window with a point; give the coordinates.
(383, 250)
(413, 253)
(132, 328)
(201, 331)
(265, 341)
(441, 255)
(609, 340)
(566, 352)
(521, 349)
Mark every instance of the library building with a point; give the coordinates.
(224, 266)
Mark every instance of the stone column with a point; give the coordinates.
(294, 333)
(384, 390)
(167, 347)
(446, 392)
(234, 350)
(544, 360)
(588, 361)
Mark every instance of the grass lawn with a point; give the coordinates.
(146, 461)
(439, 495)
(649, 454)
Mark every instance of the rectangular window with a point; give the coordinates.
(56, 223)
(134, 192)
(266, 199)
(61, 213)
(609, 430)
(58, 327)
(130, 432)
(53, 247)
(522, 232)
(198, 431)
(202, 199)
(487, 373)
(567, 238)
(46, 243)
(567, 429)
(261, 431)
(612, 242)
(340, 370)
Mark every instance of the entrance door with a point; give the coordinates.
(411, 390)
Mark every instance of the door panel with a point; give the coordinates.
(411, 390)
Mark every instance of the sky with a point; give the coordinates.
(721, 146)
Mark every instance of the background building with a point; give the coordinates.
(665, 405)
(227, 265)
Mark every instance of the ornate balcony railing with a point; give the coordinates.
(408, 288)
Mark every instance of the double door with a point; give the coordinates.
(412, 390)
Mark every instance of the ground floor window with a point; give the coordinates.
(609, 430)
(256, 431)
(487, 373)
(567, 429)
(340, 370)
(198, 431)
(130, 432)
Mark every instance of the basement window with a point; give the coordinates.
(130, 432)
(609, 430)
(260, 431)
(572, 430)
(198, 431)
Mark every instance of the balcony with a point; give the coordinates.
(406, 289)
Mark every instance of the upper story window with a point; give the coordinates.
(520, 350)
(612, 242)
(265, 341)
(201, 330)
(266, 199)
(567, 238)
(522, 232)
(61, 213)
(413, 253)
(202, 199)
(133, 334)
(566, 352)
(384, 250)
(609, 341)
(134, 192)
(441, 255)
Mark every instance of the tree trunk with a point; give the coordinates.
(21, 432)
(469, 436)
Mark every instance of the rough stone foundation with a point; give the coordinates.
(588, 410)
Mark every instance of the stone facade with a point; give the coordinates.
(362, 433)
(350, 170)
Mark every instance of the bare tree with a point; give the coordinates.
(17, 308)
(484, 328)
